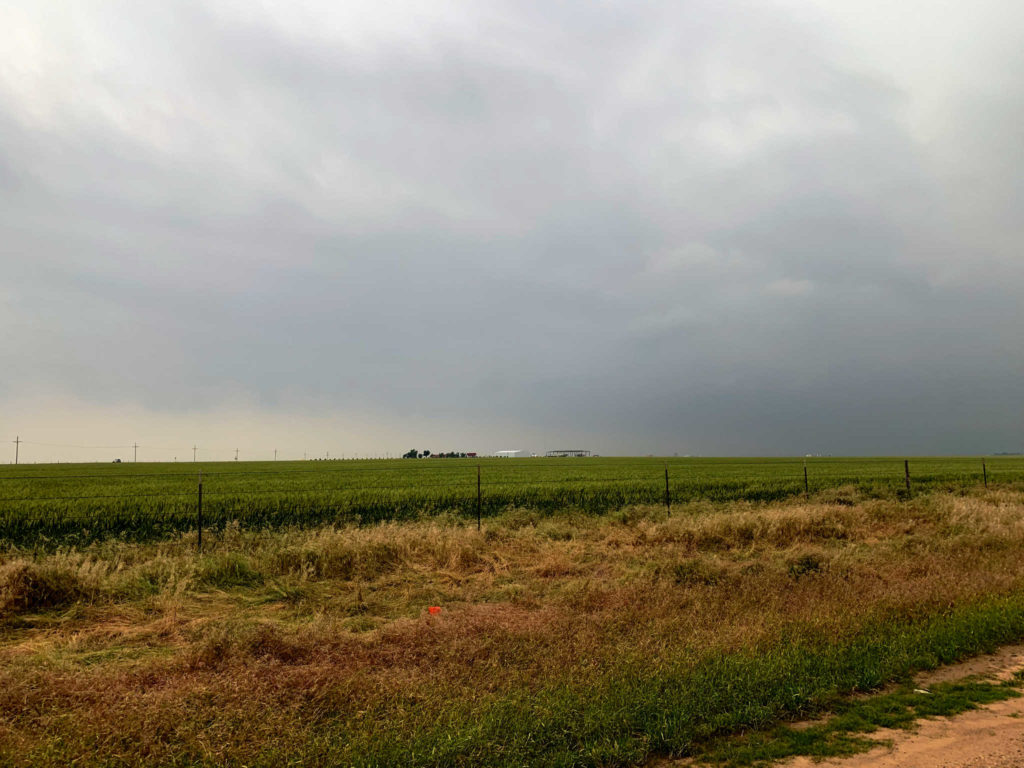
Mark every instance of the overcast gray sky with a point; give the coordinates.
(695, 227)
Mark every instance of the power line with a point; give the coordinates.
(69, 445)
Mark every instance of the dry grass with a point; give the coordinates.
(150, 654)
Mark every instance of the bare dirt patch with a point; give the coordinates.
(999, 666)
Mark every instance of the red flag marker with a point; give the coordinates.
(434, 609)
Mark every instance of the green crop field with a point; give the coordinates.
(77, 503)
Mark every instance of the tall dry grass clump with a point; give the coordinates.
(55, 582)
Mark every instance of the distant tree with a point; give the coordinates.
(426, 454)
(410, 454)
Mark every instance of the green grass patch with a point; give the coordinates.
(842, 734)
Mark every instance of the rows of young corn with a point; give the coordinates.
(54, 506)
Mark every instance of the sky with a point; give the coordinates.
(693, 227)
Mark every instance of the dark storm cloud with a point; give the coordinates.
(704, 227)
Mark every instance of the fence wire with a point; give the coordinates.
(399, 490)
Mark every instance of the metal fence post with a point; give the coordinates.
(479, 498)
(199, 513)
(807, 490)
(668, 496)
(984, 472)
(906, 473)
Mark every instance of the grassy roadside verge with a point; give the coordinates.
(844, 733)
(563, 640)
(676, 710)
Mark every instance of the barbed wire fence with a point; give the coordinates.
(370, 493)
(170, 454)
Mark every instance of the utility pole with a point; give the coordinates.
(236, 454)
(275, 454)
(193, 454)
(17, 443)
(136, 447)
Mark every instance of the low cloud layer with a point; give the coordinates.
(656, 227)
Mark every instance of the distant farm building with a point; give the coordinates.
(507, 454)
(567, 452)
